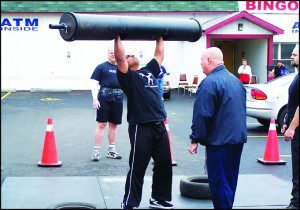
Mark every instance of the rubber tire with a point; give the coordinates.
(281, 116)
(74, 205)
(264, 122)
(195, 187)
(167, 95)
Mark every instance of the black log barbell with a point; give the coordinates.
(74, 26)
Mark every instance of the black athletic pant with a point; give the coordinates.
(295, 166)
(148, 140)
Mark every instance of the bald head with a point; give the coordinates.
(211, 58)
(214, 53)
(111, 55)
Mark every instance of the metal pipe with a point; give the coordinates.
(61, 26)
(73, 26)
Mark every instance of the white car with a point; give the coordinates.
(269, 100)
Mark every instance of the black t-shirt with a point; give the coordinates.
(293, 97)
(144, 103)
(106, 74)
(277, 71)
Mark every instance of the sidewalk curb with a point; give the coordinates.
(8, 90)
(34, 90)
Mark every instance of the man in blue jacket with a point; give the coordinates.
(219, 124)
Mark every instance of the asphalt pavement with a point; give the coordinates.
(23, 122)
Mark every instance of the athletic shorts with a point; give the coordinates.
(110, 111)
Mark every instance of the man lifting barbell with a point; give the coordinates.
(147, 132)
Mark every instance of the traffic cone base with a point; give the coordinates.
(49, 165)
(262, 161)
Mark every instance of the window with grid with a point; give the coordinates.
(275, 54)
(283, 51)
(286, 52)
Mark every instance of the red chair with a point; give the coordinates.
(253, 79)
(192, 88)
(182, 82)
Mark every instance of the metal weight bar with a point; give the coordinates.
(61, 26)
(73, 26)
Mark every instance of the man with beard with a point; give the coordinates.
(293, 129)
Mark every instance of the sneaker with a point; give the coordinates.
(157, 204)
(123, 206)
(291, 206)
(174, 163)
(113, 155)
(95, 156)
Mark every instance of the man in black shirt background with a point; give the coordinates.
(147, 132)
(280, 69)
(293, 103)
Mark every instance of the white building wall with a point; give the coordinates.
(285, 22)
(192, 53)
(283, 14)
(39, 59)
(248, 28)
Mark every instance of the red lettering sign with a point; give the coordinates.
(293, 5)
(272, 5)
(250, 5)
(269, 4)
(280, 5)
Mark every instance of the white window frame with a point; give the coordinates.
(279, 51)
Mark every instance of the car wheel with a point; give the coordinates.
(167, 95)
(264, 122)
(195, 187)
(280, 119)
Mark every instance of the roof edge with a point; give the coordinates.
(244, 14)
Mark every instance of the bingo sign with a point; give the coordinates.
(19, 24)
(270, 6)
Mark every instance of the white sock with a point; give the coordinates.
(112, 147)
(97, 148)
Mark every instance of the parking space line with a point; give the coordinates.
(285, 155)
(3, 97)
(253, 123)
(262, 136)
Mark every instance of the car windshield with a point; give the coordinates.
(282, 80)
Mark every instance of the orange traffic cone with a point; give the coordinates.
(166, 122)
(49, 156)
(271, 155)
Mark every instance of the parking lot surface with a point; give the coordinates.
(23, 122)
